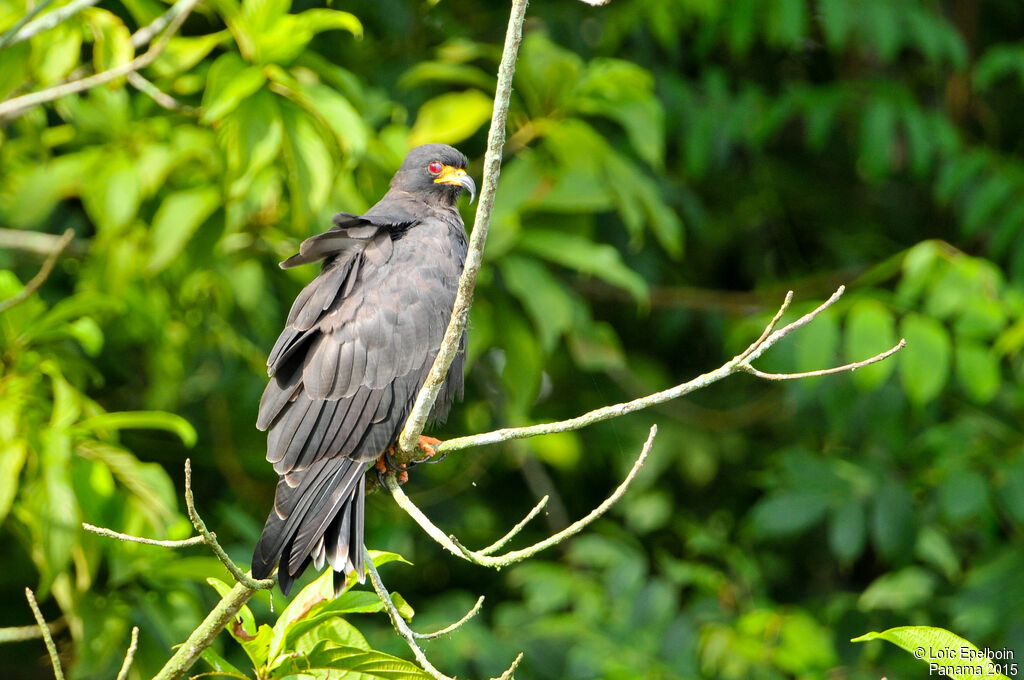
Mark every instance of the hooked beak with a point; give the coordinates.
(457, 177)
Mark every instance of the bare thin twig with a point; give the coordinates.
(48, 21)
(452, 544)
(455, 626)
(15, 106)
(140, 83)
(8, 35)
(51, 648)
(503, 541)
(23, 633)
(409, 438)
(403, 629)
(109, 533)
(735, 365)
(129, 656)
(211, 540)
(826, 371)
(37, 242)
(44, 272)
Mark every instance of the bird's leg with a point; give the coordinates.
(385, 463)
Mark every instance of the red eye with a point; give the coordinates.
(435, 167)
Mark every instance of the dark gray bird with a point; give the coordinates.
(359, 342)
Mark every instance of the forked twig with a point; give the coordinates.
(453, 545)
(455, 626)
(740, 363)
(410, 637)
(109, 533)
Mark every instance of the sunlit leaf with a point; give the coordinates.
(450, 118)
(950, 654)
(925, 363)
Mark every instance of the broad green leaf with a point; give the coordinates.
(56, 53)
(178, 217)
(311, 169)
(870, 329)
(428, 72)
(319, 19)
(934, 548)
(977, 370)
(111, 196)
(184, 52)
(788, 512)
(229, 81)
(949, 654)
(450, 118)
(153, 420)
(149, 482)
(898, 590)
(549, 305)
(925, 362)
(348, 126)
(848, 530)
(877, 139)
(112, 46)
(252, 134)
(220, 665)
(367, 664)
(892, 521)
(12, 458)
(585, 256)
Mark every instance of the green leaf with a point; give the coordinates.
(870, 329)
(950, 654)
(152, 420)
(583, 255)
(255, 640)
(111, 196)
(977, 370)
(817, 344)
(848, 530)
(788, 512)
(548, 304)
(12, 459)
(229, 81)
(368, 664)
(892, 521)
(112, 45)
(925, 362)
(178, 217)
(182, 53)
(898, 590)
(220, 665)
(311, 169)
(450, 118)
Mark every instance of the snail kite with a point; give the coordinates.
(358, 344)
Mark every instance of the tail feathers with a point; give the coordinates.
(327, 530)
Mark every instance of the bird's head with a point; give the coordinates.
(435, 171)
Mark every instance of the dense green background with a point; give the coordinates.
(673, 167)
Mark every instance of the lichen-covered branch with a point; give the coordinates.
(128, 538)
(453, 545)
(409, 438)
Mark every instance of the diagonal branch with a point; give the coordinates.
(460, 312)
(44, 273)
(452, 544)
(47, 21)
(503, 541)
(17, 105)
(51, 648)
(739, 363)
(403, 629)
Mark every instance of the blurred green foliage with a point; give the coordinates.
(673, 166)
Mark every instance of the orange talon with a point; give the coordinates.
(403, 477)
(429, 444)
